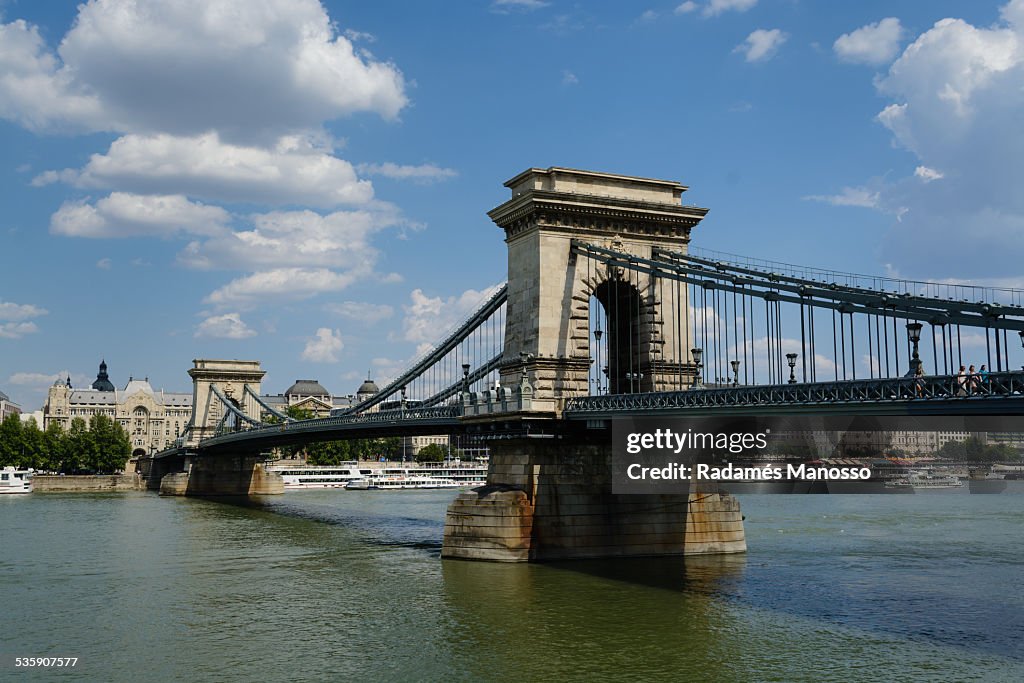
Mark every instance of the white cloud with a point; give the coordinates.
(104, 263)
(324, 347)
(279, 284)
(850, 196)
(295, 171)
(956, 100)
(16, 319)
(428, 318)
(245, 69)
(35, 90)
(424, 173)
(928, 174)
(363, 312)
(716, 7)
(37, 378)
(874, 44)
(17, 330)
(10, 311)
(686, 7)
(123, 214)
(506, 6)
(226, 326)
(762, 44)
(569, 78)
(295, 239)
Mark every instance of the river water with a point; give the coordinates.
(336, 585)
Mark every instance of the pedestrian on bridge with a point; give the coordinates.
(961, 381)
(973, 383)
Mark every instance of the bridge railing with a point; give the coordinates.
(934, 387)
(380, 417)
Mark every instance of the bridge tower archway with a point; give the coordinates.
(548, 329)
(230, 377)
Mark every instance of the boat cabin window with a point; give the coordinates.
(4, 477)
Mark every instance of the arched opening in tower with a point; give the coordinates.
(616, 343)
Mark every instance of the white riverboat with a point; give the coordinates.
(403, 481)
(424, 476)
(15, 481)
(926, 481)
(319, 476)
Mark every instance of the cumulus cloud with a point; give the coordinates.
(10, 311)
(226, 326)
(294, 238)
(873, 44)
(956, 99)
(17, 330)
(242, 68)
(323, 347)
(361, 311)
(424, 173)
(716, 7)
(427, 318)
(928, 174)
(686, 7)
(294, 171)
(762, 44)
(122, 214)
(104, 263)
(279, 284)
(569, 78)
(16, 319)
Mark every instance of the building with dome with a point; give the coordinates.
(153, 419)
(7, 406)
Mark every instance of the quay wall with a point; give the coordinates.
(87, 483)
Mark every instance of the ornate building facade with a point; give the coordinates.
(153, 419)
(7, 406)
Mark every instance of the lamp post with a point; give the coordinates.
(735, 372)
(634, 376)
(791, 358)
(465, 378)
(597, 341)
(697, 354)
(914, 335)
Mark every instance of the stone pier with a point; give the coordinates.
(550, 500)
(222, 475)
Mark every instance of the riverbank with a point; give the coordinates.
(87, 483)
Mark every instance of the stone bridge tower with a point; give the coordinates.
(549, 290)
(230, 377)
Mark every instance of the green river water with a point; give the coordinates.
(336, 585)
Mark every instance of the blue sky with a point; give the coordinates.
(307, 183)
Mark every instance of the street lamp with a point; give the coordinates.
(791, 357)
(634, 376)
(735, 372)
(914, 335)
(465, 378)
(597, 341)
(697, 354)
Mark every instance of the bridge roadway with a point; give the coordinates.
(1001, 394)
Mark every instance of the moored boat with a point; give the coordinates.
(13, 480)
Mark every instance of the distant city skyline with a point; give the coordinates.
(306, 184)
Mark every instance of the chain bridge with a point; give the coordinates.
(608, 312)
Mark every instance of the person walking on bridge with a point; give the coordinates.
(961, 381)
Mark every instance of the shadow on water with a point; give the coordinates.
(706, 574)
